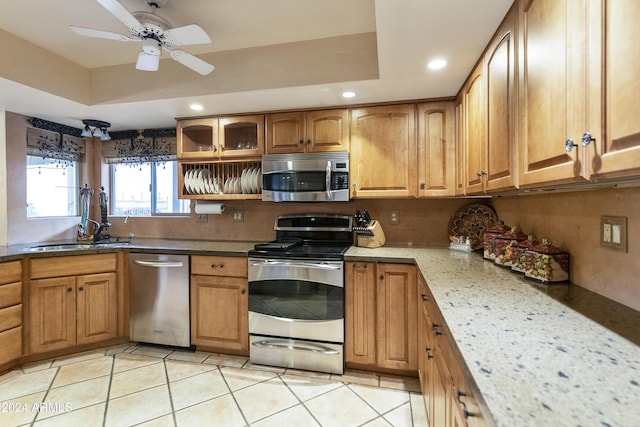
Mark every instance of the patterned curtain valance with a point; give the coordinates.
(50, 145)
(139, 150)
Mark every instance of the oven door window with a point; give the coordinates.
(296, 299)
(296, 182)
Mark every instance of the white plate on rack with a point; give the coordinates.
(187, 181)
(253, 188)
(244, 181)
(259, 180)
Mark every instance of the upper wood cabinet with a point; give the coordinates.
(614, 61)
(436, 149)
(500, 156)
(474, 122)
(383, 151)
(552, 80)
(219, 138)
(307, 132)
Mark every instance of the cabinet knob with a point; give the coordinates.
(569, 144)
(243, 291)
(221, 147)
(80, 289)
(301, 142)
(586, 139)
(309, 141)
(381, 277)
(481, 174)
(423, 185)
(69, 289)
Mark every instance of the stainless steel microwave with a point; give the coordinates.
(306, 177)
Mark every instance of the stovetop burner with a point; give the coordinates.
(323, 236)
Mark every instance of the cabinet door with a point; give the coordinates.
(219, 312)
(97, 307)
(52, 314)
(501, 150)
(383, 152)
(397, 317)
(241, 136)
(425, 348)
(614, 113)
(440, 395)
(474, 131)
(327, 130)
(360, 313)
(197, 138)
(285, 133)
(552, 87)
(461, 162)
(436, 149)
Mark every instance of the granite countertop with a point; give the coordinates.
(534, 360)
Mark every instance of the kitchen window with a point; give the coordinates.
(144, 175)
(146, 189)
(52, 173)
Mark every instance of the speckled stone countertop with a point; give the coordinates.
(534, 361)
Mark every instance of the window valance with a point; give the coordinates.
(139, 150)
(53, 145)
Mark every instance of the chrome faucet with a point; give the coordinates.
(97, 230)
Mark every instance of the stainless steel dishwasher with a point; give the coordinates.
(159, 299)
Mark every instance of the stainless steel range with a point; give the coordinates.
(296, 293)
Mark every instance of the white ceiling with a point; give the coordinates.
(409, 33)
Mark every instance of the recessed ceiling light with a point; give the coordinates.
(348, 94)
(437, 64)
(196, 107)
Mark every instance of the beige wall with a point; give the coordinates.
(570, 220)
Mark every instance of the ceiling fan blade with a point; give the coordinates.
(119, 11)
(188, 60)
(90, 32)
(189, 34)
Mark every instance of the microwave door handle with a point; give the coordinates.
(328, 179)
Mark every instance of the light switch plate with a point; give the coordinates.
(613, 232)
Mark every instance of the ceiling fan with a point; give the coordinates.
(155, 33)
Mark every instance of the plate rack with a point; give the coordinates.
(191, 176)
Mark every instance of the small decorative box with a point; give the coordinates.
(489, 239)
(505, 245)
(548, 263)
(520, 263)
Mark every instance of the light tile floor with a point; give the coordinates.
(151, 386)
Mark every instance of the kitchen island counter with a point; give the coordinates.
(534, 361)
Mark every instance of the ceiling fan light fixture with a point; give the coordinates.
(151, 46)
(148, 62)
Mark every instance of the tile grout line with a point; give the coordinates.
(44, 398)
(106, 403)
(173, 409)
(244, 417)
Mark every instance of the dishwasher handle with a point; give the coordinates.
(159, 264)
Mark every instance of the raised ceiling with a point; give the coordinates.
(276, 54)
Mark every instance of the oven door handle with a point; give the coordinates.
(328, 179)
(296, 264)
(288, 345)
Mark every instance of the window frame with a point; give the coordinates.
(153, 189)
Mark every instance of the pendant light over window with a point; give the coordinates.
(97, 129)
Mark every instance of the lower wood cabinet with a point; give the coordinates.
(70, 310)
(447, 396)
(220, 303)
(380, 316)
(10, 312)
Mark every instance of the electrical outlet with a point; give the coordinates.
(238, 216)
(202, 218)
(613, 232)
(394, 219)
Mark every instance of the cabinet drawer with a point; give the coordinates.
(219, 266)
(11, 272)
(10, 294)
(72, 265)
(11, 345)
(10, 317)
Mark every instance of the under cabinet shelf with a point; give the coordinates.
(220, 181)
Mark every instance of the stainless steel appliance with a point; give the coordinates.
(296, 294)
(159, 299)
(306, 177)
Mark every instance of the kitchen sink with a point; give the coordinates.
(56, 247)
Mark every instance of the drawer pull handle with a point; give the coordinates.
(214, 266)
(424, 297)
(465, 411)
